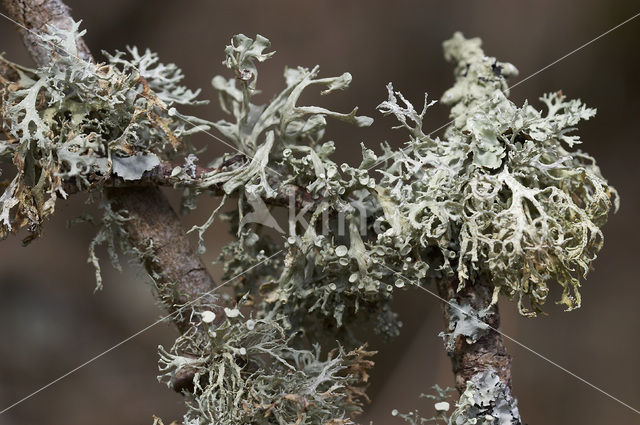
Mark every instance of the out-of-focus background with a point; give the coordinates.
(51, 321)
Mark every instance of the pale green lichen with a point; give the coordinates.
(112, 235)
(501, 195)
(314, 289)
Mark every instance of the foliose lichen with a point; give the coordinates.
(466, 322)
(485, 401)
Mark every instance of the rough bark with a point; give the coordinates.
(181, 275)
(167, 255)
(489, 351)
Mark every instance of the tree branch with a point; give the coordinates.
(489, 351)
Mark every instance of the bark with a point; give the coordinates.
(167, 255)
(489, 351)
(33, 16)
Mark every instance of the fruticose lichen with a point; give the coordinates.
(321, 284)
(246, 372)
(441, 406)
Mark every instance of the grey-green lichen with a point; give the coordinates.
(486, 401)
(247, 372)
(441, 405)
(320, 284)
(464, 321)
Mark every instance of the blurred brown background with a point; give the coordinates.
(51, 321)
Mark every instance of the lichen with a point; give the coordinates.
(313, 288)
(466, 322)
(441, 406)
(486, 401)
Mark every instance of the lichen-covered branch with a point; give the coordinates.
(501, 205)
(153, 227)
(163, 175)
